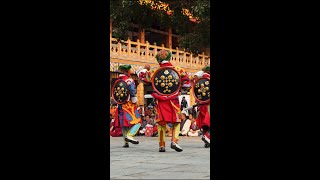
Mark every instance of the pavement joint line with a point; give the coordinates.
(131, 174)
(135, 173)
(164, 168)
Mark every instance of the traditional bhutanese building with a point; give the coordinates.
(142, 46)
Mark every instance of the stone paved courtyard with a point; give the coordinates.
(144, 161)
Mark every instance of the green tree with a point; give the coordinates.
(194, 36)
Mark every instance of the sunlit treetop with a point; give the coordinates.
(189, 19)
(165, 7)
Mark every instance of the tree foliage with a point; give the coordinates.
(194, 37)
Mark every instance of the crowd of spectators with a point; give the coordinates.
(188, 126)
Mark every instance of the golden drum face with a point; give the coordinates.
(166, 81)
(120, 92)
(202, 90)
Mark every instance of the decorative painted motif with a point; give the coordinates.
(136, 68)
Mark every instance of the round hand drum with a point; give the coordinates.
(166, 81)
(120, 92)
(201, 90)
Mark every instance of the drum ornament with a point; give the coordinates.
(202, 90)
(168, 82)
(120, 92)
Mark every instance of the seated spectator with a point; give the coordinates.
(151, 123)
(155, 127)
(185, 123)
(146, 121)
(193, 112)
(149, 120)
(153, 119)
(153, 110)
(150, 111)
(114, 131)
(146, 111)
(143, 127)
(112, 110)
(141, 110)
(194, 129)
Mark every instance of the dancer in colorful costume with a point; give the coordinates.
(203, 109)
(127, 116)
(167, 109)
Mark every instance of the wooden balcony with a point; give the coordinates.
(137, 53)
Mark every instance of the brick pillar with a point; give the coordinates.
(140, 94)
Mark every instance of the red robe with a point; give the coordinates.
(203, 116)
(168, 107)
(116, 132)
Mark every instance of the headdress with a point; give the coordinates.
(126, 67)
(206, 69)
(163, 55)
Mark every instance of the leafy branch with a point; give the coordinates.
(194, 36)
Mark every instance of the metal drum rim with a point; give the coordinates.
(113, 91)
(166, 67)
(194, 93)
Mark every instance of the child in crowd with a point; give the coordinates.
(194, 129)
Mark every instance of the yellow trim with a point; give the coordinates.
(130, 106)
(177, 108)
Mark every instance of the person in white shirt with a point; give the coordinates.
(185, 123)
